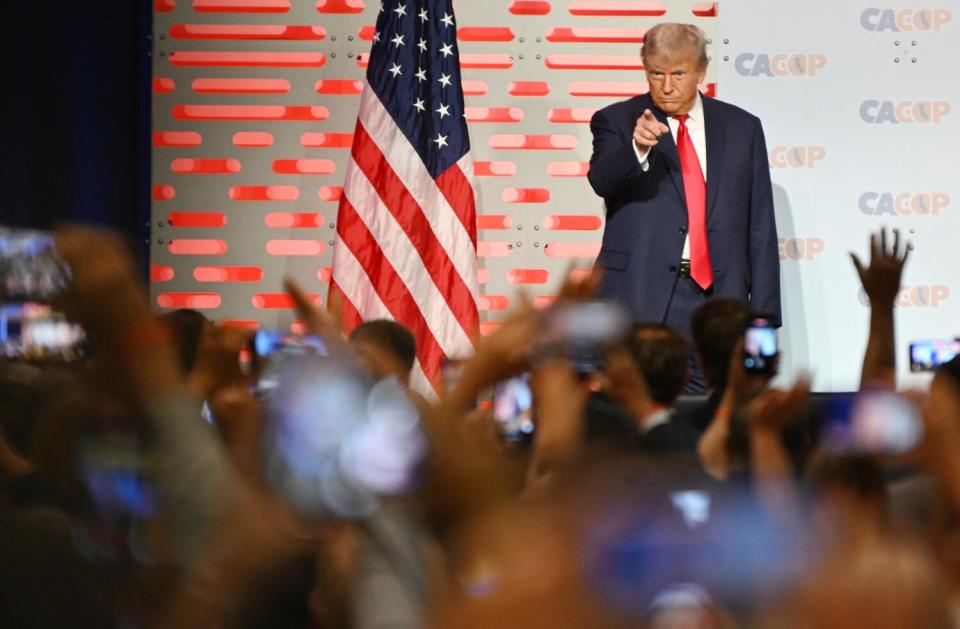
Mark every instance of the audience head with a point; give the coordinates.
(388, 347)
(717, 325)
(661, 354)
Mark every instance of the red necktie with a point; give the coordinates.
(695, 189)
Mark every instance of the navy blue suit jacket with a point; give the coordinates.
(647, 212)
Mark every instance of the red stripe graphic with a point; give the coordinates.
(596, 35)
(252, 139)
(228, 274)
(293, 220)
(264, 193)
(304, 167)
(241, 86)
(247, 31)
(251, 112)
(182, 139)
(184, 166)
(529, 88)
(599, 7)
(241, 6)
(339, 87)
(271, 301)
(340, 6)
(485, 33)
(315, 140)
(208, 220)
(248, 59)
(197, 301)
(494, 221)
(296, 247)
(494, 169)
(529, 7)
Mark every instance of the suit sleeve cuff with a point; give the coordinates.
(642, 157)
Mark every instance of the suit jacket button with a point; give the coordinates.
(673, 269)
(631, 174)
(683, 230)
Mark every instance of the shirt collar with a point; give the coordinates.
(696, 113)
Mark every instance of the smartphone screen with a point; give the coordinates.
(513, 409)
(581, 332)
(928, 355)
(760, 346)
(870, 423)
(265, 345)
(30, 269)
(36, 332)
(32, 275)
(114, 472)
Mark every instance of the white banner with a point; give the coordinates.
(860, 109)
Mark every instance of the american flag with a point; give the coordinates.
(406, 229)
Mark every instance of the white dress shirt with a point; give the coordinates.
(698, 133)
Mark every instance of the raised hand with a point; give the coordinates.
(319, 322)
(648, 130)
(881, 279)
(104, 295)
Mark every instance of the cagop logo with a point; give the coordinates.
(904, 112)
(763, 64)
(801, 249)
(919, 296)
(903, 203)
(796, 156)
(905, 20)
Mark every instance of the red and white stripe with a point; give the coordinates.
(406, 243)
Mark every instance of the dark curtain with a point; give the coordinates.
(75, 135)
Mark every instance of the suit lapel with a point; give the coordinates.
(716, 136)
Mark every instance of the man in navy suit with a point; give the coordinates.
(686, 184)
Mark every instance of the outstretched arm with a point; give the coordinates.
(881, 281)
(616, 154)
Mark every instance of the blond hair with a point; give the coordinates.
(670, 39)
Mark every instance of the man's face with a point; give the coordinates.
(673, 81)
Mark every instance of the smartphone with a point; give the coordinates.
(32, 275)
(265, 345)
(581, 332)
(875, 422)
(34, 331)
(116, 477)
(928, 355)
(760, 351)
(30, 269)
(513, 409)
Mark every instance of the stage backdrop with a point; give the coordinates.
(863, 127)
(255, 102)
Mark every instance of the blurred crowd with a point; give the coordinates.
(189, 474)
